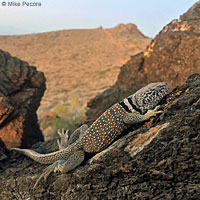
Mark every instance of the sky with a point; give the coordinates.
(149, 15)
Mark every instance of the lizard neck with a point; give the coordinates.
(129, 104)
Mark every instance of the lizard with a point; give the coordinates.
(134, 109)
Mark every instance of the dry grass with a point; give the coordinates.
(76, 62)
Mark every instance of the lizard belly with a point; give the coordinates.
(104, 130)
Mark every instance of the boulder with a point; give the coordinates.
(171, 56)
(155, 160)
(21, 90)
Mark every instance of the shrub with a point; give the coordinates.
(69, 115)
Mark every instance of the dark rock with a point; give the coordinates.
(21, 89)
(158, 160)
(171, 56)
(192, 13)
(3, 151)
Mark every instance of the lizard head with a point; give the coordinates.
(149, 96)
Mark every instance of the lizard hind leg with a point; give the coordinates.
(77, 133)
(63, 166)
(65, 140)
(74, 160)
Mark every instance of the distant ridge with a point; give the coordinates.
(129, 28)
(9, 30)
(81, 62)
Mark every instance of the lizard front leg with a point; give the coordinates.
(136, 117)
(63, 166)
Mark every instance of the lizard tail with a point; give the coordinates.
(50, 157)
(30, 153)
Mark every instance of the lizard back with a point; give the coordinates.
(104, 130)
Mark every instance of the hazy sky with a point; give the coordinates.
(149, 15)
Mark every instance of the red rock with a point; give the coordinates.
(21, 89)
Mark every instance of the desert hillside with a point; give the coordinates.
(171, 57)
(80, 63)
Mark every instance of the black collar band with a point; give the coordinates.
(133, 105)
(124, 106)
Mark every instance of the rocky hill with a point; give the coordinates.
(78, 63)
(171, 57)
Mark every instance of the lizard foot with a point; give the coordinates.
(153, 113)
(64, 137)
(63, 166)
(55, 167)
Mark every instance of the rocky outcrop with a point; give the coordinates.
(128, 29)
(156, 160)
(171, 56)
(21, 89)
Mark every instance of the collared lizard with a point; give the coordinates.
(134, 109)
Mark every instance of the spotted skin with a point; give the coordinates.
(51, 157)
(132, 110)
(104, 130)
